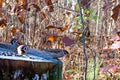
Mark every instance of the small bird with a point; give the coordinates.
(22, 50)
(47, 54)
(6, 52)
(57, 53)
(14, 43)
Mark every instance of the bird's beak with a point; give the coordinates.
(18, 43)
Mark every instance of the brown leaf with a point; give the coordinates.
(67, 13)
(116, 12)
(21, 16)
(49, 4)
(60, 28)
(35, 0)
(50, 27)
(114, 69)
(53, 38)
(1, 1)
(19, 29)
(13, 31)
(85, 3)
(2, 11)
(3, 22)
(107, 5)
(77, 32)
(17, 8)
(21, 2)
(63, 28)
(36, 7)
(68, 41)
(43, 15)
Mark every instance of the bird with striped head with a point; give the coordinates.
(14, 43)
(54, 54)
(22, 50)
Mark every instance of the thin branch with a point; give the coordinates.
(97, 21)
(83, 38)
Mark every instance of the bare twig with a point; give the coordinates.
(83, 38)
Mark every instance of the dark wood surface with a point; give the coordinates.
(9, 65)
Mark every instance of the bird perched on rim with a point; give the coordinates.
(57, 53)
(24, 50)
(14, 43)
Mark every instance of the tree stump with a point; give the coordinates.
(20, 68)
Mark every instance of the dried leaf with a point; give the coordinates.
(43, 15)
(17, 8)
(115, 45)
(85, 3)
(115, 38)
(2, 11)
(113, 69)
(1, 1)
(77, 32)
(107, 5)
(50, 27)
(13, 31)
(53, 38)
(63, 28)
(21, 2)
(2, 22)
(67, 13)
(68, 76)
(116, 12)
(49, 4)
(68, 41)
(35, 1)
(60, 28)
(105, 69)
(36, 7)
(19, 29)
(21, 16)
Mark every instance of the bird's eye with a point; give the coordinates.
(13, 41)
(25, 48)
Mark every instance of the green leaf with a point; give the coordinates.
(77, 18)
(77, 7)
(92, 17)
(90, 11)
(118, 78)
(78, 26)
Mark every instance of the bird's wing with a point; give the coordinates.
(8, 46)
(6, 52)
(39, 53)
(57, 53)
(48, 54)
(5, 45)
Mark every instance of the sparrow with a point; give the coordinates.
(57, 53)
(22, 50)
(47, 54)
(6, 52)
(14, 43)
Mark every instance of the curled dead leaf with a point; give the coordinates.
(53, 38)
(49, 4)
(43, 15)
(21, 16)
(3, 22)
(116, 12)
(67, 41)
(13, 31)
